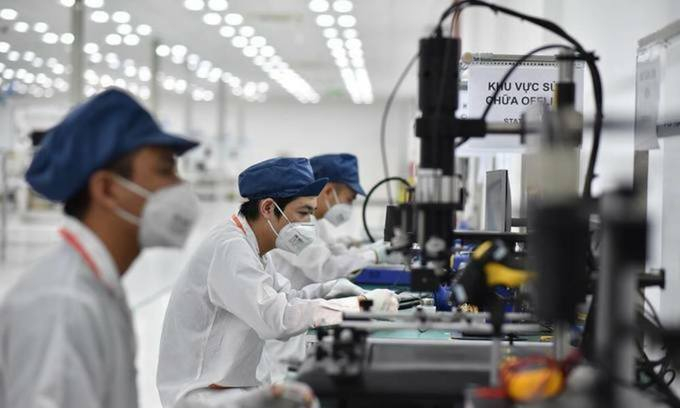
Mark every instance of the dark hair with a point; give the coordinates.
(251, 209)
(77, 205)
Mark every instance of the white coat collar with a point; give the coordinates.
(250, 236)
(109, 274)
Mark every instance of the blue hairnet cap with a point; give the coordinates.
(94, 134)
(281, 177)
(340, 168)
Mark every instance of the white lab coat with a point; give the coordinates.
(325, 261)
(66, 336)
(327, 232)
(223, 307)
(322, 261)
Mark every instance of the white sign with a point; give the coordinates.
(528, 85)
(647, 89)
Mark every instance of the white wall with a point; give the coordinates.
(258, 131)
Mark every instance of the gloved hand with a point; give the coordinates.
(348, 241)
(344, 288)
(383, 300)
(285, 395)
(383, 255)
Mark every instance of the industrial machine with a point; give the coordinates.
(554, 263)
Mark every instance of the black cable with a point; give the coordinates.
(592, 67)
(652, 309)
(664, 362)
(383, 120)
(368, 197)
(658, 379)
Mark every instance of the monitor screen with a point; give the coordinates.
(497, 208)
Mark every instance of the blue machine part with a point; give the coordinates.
(383, 276)
(507, 295)
(459, 258)
(442, 298)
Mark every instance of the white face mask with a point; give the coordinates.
(339, 213)
(295, 236)
(167, 217)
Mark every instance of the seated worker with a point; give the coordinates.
(324, 261)
(230, 299)
(327, 259)
(66, 334)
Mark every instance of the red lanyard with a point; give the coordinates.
(236, 221)
(78, 247)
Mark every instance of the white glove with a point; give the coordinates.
(348, 241)
(383, 300)
(285, 395)
(382, 256)
(344, 288)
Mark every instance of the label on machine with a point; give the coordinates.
(528, 85)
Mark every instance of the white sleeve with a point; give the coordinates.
(54, 353)
(208, 398)
(290, 396)
(238, 283)
(325, 290)
(330, 290)
(320, 265)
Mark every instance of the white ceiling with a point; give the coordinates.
(389, 30)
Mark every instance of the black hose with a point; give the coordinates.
(592, 67)
(383, 120)
(368, 197)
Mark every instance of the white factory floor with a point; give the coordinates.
(147, 284)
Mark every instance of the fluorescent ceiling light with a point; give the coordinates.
(8, 14)
(325, 20)
(347, 21)
(212, 19)
(218, 5)
(144, 29)
(194, 5)
(99, 16)
(121, 17)
(343, 6)
(40, 27)
(318, 6)
(233, 19)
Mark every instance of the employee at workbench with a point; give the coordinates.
(326, 260)
(229, 299)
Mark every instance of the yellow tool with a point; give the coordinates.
(532, 378)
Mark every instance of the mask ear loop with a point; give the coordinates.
(135, 189)
(284, 216)
(282, 213)
(132, 187)
(337, 200)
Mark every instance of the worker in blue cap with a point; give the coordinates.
(326, 261)
(66, 336)
(230, 299)
(334, 209)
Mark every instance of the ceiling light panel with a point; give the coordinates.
(21, 72)
(205, 70)
(338, 26)
(24, 72)
(231, 27)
